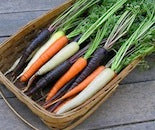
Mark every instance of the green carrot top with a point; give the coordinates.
(67, 19)
(102, 33)
(94, 13)
(140, 34)
(139, 50)
(99, 36)
(61, 19)
(101, 20)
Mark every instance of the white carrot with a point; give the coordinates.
(52, 39)
(13, 66)
(99, 82)
(17, 61)
(60, 57)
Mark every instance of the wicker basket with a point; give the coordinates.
(11, 50)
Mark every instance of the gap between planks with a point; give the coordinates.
(125, 124)
(8, 6)
(30, 11)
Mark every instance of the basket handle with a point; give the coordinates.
(15, 112)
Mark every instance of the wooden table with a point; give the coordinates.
(132, 107)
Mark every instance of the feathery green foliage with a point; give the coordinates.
(140, 34)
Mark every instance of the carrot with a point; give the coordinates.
(99, 82)
(57, 72)
(57, 108)
(60, 93)
(84, 84)
(77, 67)
(99, 36)
(64, 20)
(52, 50)
(59, 58)
(120, 29)
(31, 47)
(51, 40)
(79, 87)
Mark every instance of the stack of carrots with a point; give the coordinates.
(71, 52)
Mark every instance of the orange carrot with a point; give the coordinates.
(76, 68)
(79, 87)
(84, 83)
(51, 51)
(57, 109)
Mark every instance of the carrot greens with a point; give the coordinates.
(140, 49)
(140, 33)
(78, 66)
(65, 19)
(122, 26)
(101, 20)
(107, 74)
(63, 55)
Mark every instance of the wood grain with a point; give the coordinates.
(130, 103)
(10, 23)
(10, 6)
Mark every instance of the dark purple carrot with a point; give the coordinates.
(55, 106)
(62, 91)
(66, 18)
(57, 72)
(31, 47)
(59, 94)
(119, 30)
(51, 76)
(94, 62)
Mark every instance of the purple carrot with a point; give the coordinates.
(31, 47)
(57, 72)
(59, 94)
(119, 30)
(62, 91)
(55, 106)
(94, 62)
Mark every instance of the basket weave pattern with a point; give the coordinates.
(12, 49)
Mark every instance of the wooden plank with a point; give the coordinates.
(8, 120)
(139, 126)
(142, 75)
(8, 6)
(10, 23)
(131, 103)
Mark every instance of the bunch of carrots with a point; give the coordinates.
(84, 49)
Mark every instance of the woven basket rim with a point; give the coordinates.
(36, 108)
(66, 114)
